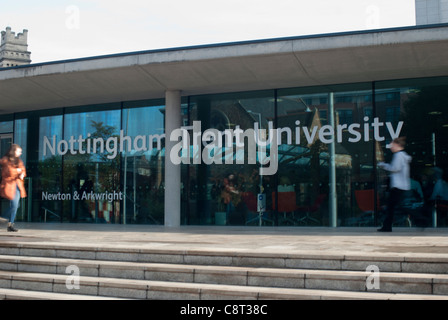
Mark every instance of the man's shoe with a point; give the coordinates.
(11, 229)
(384, 230)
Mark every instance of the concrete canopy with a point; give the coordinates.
(255, 65)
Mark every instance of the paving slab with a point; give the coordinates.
(353, 243)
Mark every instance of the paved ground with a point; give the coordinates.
(426, 242)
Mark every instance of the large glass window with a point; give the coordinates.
(422, 106)
(20, 136)
(223, 180)
(47, 179)
(44, 172)
(91, 170)
(6, 139)
(101, 164)
(354, 158)
(105, 164)
(324, 156)
(303, 165)
(326, 173)
(143, 163)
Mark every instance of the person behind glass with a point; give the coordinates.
(231, 195)
(400, 182)
(12, 186)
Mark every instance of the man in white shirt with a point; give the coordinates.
(400, 181)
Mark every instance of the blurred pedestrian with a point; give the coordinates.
(12, 185)
(400, 181)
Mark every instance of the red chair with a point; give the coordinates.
(250, 200)
(365, 199)
(286, 204)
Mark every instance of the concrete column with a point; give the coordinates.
(332, 201)
(172, 172)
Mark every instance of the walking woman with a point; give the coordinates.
(12, 186)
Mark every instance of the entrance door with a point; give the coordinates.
(5, 143)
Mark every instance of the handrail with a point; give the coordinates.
(51, 212)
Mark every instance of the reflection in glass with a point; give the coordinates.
(20, 132)
(143, 166)
(326, 158)
(6, 126)
(49, 175)
(303, 160)
(423, 107)
(91, 174)
(225, 194)
(299, 194)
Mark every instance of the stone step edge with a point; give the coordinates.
(211, 291)
(16, 248)
(14, 294)
(61, 264)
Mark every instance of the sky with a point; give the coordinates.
(68, 29)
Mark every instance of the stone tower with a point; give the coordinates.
(14, 49)
(431, 11)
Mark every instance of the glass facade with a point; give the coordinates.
(105, 163)
(143, 164)
(422, 105)
(224, 192)
(305, 170)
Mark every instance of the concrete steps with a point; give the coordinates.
(11, 294)
(37, 283)
(41, 270)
